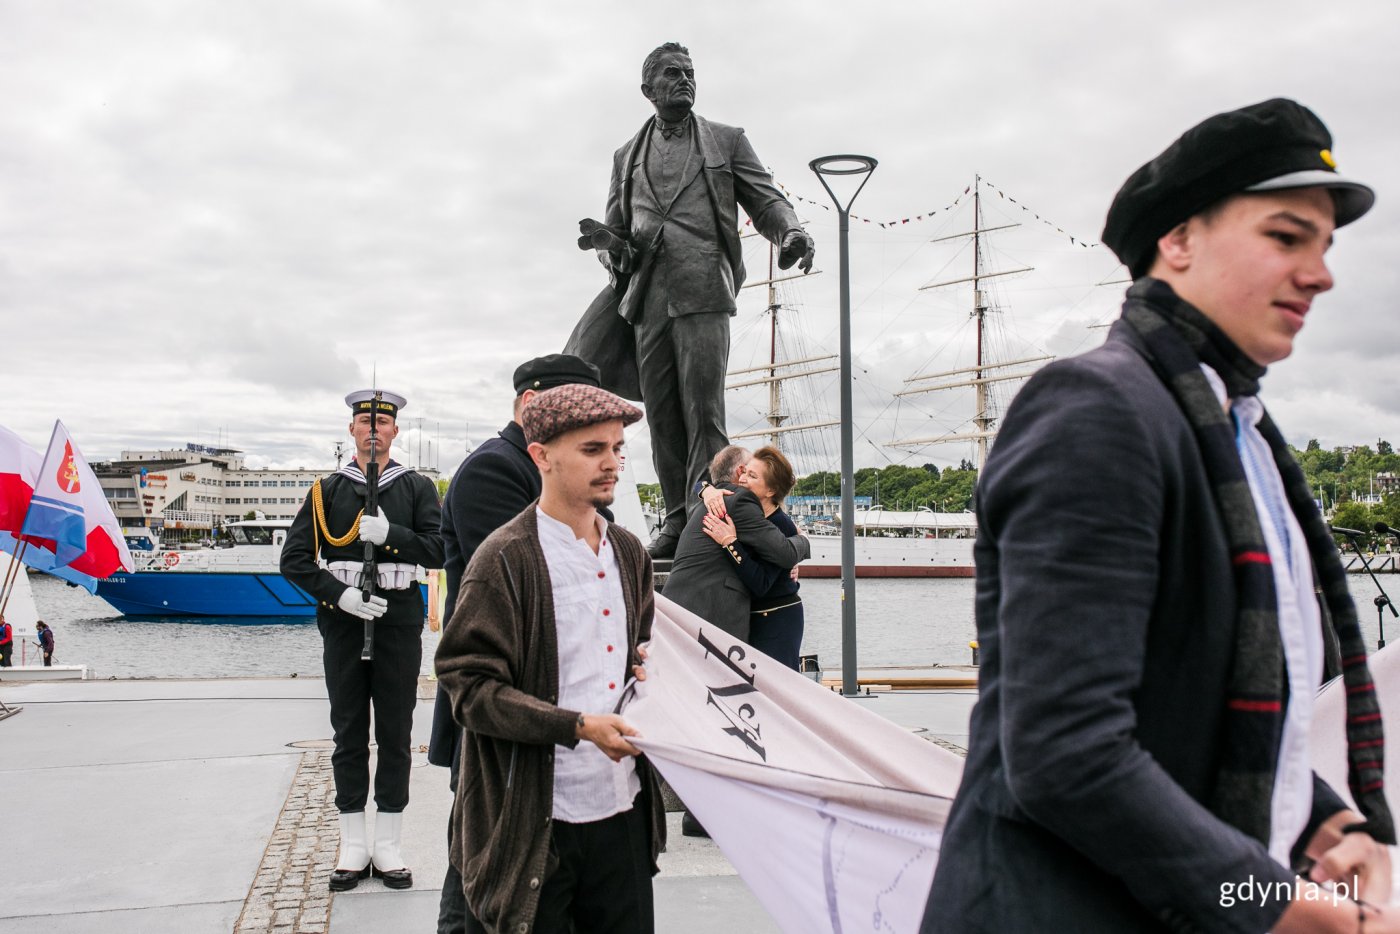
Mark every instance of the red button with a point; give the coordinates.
(607, 612)
(601, 574)
(609, 648)
(612, 685)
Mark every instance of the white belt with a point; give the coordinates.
(389, 576)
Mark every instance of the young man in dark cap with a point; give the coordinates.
(324, 555)
(492, 486)
(555, 834)
(1151, 638)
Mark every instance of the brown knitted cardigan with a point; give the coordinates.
(498, 660)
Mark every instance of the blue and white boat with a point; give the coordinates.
(243, 580)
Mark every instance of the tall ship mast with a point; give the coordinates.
(984, 372)
(777, 371)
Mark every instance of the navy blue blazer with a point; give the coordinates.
(1106, 613)
(491, 487)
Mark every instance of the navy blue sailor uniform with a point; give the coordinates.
(325, 568)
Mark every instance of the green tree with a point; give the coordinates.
(867, 482)
(650, 495)
(823, 482)
(1388, 511)
(1353, 515)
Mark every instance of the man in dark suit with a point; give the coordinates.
(492, 486)
(1146, 562)
(674, 196)
(702, 578)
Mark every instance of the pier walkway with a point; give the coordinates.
(206, 805)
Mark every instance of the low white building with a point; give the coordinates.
(189, 494)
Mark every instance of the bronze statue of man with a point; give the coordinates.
(670, 242)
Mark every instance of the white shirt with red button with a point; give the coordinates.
(590, 620)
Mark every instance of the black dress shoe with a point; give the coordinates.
(343, 880)
(393, 878)
(690, 827)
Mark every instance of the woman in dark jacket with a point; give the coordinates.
(775, 616)
(45, 641)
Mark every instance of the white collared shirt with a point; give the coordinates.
(1299, 621)
(590, 620)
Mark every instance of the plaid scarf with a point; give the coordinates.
(1179, 338)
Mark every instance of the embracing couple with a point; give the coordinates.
(735, 564)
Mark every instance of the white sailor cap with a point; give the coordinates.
(389, 402)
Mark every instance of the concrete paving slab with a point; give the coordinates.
(162, 688)
(381, 910)
(64, 735)
(182, 919)
(684, 905)
(709, 905)
(140, 835)
(941, 713)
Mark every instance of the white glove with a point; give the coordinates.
(374, 528)
(354, 603)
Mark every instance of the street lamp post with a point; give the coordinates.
(824, 167)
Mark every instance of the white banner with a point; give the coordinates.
(831, 814)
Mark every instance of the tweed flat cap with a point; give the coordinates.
(556, 369)
(566, 408)
(1268, 146)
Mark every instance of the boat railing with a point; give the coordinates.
(209, 560)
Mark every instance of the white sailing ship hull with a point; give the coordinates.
(892, 557)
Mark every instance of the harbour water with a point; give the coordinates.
(915, 623)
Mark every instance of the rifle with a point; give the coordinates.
(370, 573)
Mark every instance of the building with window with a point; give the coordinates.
(190, 494)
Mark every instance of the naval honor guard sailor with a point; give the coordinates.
(324, 555)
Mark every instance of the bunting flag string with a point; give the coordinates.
(928, 215)
(866, 220)
(1046, 221)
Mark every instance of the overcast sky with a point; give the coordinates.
(217, 218)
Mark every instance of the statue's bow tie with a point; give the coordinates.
(669, 131)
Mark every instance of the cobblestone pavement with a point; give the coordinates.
(289, 894)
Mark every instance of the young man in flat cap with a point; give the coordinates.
(492, 486)
(1151, 637)
(324, 555)
(559, 823)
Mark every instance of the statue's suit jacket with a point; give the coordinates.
(732, 175)
(703, 579)
(1106, 617)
